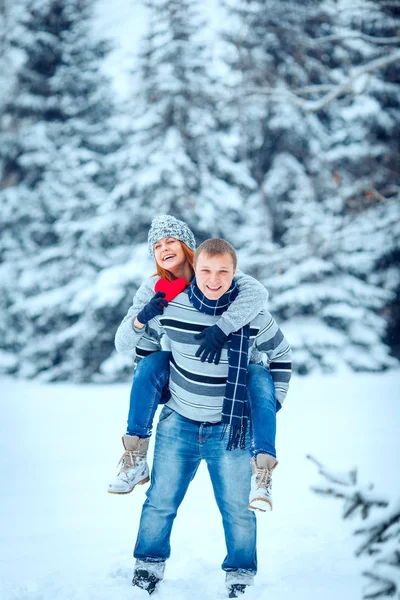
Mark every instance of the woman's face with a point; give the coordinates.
(169, 254)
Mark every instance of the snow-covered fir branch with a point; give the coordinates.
(379, 528)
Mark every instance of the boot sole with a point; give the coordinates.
(141, 482)
(260, 504)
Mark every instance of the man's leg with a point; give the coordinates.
(150, 384)
(230, 476)
(176, 459)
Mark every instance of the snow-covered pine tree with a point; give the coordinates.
(290, 61)
(179, 154)
(365, 135)
(378, 528)
(55, 174)
(270, 51)
(179, 157)
(9, 12)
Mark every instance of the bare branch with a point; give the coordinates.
(335, 92)
(349, 478)
(358, 36)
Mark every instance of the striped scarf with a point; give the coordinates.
(234, 410)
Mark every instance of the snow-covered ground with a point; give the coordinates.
(63, 537)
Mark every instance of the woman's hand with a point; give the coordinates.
(153, 308)
(213, 342)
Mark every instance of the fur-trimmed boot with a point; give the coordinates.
(134, 469)
(236, 589)
(261, 482)
(145, 580)
(147, 575)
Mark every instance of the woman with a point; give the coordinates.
(172, 245)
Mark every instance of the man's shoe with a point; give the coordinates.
(236, 589)
(145, 580)
(261, 482)
(134, 469)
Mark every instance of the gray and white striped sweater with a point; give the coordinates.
(197, 388)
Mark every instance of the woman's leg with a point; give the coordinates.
(149, 388)
(262, 410)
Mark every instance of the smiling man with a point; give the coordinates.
(214, 273)
(206, 416)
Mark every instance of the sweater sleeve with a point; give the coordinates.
(251, 300)
(271, 342)
(127, 336)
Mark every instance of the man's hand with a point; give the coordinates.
(153, 308)
(213, 340)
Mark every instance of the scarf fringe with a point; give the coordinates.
(236, 435)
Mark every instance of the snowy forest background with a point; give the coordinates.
(272, 123)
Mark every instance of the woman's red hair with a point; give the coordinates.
(164, 274)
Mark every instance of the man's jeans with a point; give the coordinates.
(180, 446)
(150, 387)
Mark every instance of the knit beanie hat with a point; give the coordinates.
(165, 226)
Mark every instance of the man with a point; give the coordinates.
(206, 418)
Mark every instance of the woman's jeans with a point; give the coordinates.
(150, 387)
(179, 447)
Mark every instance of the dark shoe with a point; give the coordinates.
(236, 589)
(146, 581)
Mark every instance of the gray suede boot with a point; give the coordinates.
(134, 469)
(261, 482)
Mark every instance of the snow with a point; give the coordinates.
(62, 536)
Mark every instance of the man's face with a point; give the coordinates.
(214, 274)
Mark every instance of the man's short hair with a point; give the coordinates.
(214, 247)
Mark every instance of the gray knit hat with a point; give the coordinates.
(165, 226)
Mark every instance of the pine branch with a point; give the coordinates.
(346, 488)
(381, 535)
(378, 533)
(379, 587)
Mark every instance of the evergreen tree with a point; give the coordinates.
(291, 63)
(55, 175)
(179, 153)
(179, 156)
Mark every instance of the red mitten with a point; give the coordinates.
(170, 288)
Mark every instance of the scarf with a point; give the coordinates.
(234, 410)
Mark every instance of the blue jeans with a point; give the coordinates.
(262, 406)
(150, 387)
(179, 447)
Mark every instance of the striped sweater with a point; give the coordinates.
(197, 388)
